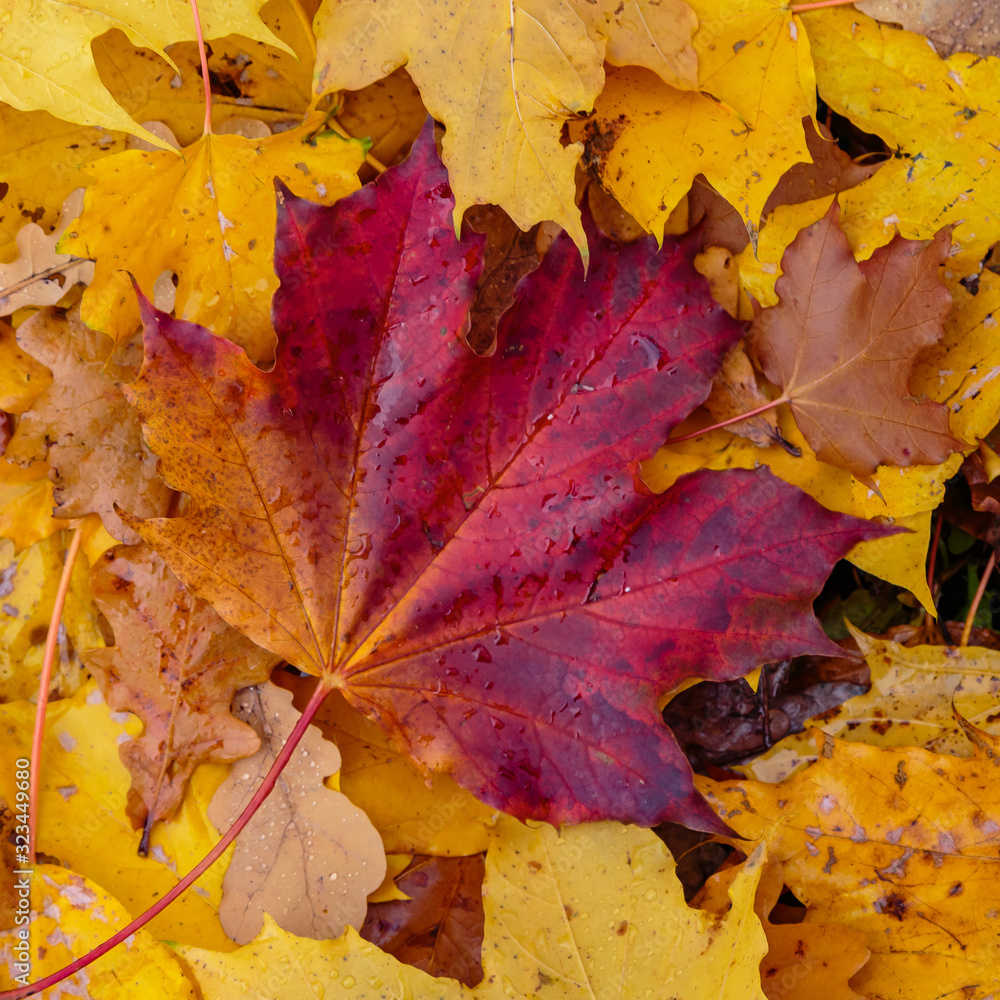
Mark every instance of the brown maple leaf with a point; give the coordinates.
(735, 391)
(176, 664)
(841, 343)
(84, 426)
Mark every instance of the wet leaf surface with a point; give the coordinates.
(457, 542)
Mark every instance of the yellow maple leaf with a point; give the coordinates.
(900, 844)
(213, 212)
(70, 916)
(45, 59)
(81, 819)
(271, 85)
(22, 378)
(804, 960)
(941, 116)
(41, 162)
(589, 910)
(909, 704)
(504, 79)
(740, 125)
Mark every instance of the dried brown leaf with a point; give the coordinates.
(735, 391)
(308, 857)
(83, 425)
(841, 343)
(440, 927)
(176, 664)
(510, 255)
(611, 219)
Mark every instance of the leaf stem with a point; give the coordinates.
(8, 290)
(932, 563)
(798, 8)
(306, 22)
(204, 67)
(43, 688)
(270, 780)
(980, 590)
(372, 161)
(732, 420)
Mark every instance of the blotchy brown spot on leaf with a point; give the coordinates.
(176, 664)
(308, 857)
(440, 928)
(843, 339)
(83, 425)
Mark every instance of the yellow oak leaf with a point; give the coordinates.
(411, 816)
(46, 62)
(70, 915)
(946, 168)
(28, 584)
(900, 844)
(26, 504)
(308, 855)
(213, 212)
(82, 821)
(593, 910)
(22, 378)
(41, 161)
(909, 704)
(504, 79)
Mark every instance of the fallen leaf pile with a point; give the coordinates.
(541, 386)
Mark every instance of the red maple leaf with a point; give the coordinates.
(457, 542)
